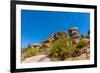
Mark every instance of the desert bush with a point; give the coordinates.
(61, 48)
(30, 52)
(81, 44)
(23, 50)
(43, 46)
(82, 36)
(87, 36)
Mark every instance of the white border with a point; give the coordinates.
(20, 65)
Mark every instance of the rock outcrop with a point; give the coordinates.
(73, 32)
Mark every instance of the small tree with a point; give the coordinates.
(29, 46)
(88, 32)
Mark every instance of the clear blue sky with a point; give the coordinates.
(36, 25)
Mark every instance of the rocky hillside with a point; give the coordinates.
(59, 46)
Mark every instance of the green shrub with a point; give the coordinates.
(30, 52)
(61, 48)
(23, 50)
(81, 44)
(43, 46)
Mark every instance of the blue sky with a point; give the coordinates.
(37, 25)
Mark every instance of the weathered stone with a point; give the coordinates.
(73, 32)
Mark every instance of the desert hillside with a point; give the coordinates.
(59, 46)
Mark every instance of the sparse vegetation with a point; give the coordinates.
(28, 52)
(81, 44)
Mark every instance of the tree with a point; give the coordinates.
(88, 32)
(29, 46)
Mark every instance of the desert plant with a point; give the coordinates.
(30, 52)
(61, 48)
(81, 44)
(29, 46)
(82, 36)
(23, 50)
(43, 46)
(87, 36)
